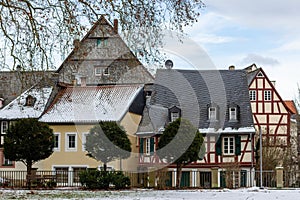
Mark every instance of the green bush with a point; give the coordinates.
(95, 179)
(120, 181)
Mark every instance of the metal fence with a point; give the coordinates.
(165, 179)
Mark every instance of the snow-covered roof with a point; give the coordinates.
(228, 130)
(91, 104)
(17, 109)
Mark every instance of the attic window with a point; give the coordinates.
(106, 71)
(30, 100)
(212, 113)
(232, 113)
(174, 116)
(174, 113)
(260, 74)
(102, 42)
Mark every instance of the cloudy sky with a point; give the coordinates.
(240, 33)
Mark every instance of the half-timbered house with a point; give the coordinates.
(215, 101)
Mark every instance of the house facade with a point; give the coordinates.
(215, 101)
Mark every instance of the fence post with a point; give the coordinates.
(214, 177)
(279, 177)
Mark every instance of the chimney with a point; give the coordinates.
(18, 68)
(116, 25)
(83, 81)
(231, 67)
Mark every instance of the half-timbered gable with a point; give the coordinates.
(102, 57)
(270, 113)
(215, 101)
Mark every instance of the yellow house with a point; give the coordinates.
(75, 110)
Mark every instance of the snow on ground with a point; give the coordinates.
(140, 194)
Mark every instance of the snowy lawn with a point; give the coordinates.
(139, 194)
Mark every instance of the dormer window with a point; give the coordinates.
(212, 113)
(106, 71)
(30, 100)
(233, 113)
(174, 113)
(174, 116)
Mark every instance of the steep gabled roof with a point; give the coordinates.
(107, 31)
(194, 91)
(17, 109)
(91, 104)
(153, 120)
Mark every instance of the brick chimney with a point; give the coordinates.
(116, 25)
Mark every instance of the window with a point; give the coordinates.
(98, 71)
(232, 113)
(260, 74)
(30, 100)
(267, 94)
(252, 94)
(102, 42)
(212, 113)
(71, 141)
(106, 71)
(4, 127)
(1, 102)
(228, 145)
(56, 142)
(174, 116)
(76, 172)
(6, 162)
(148, 146)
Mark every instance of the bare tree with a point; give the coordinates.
(35, 33)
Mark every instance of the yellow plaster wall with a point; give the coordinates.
(78, 158)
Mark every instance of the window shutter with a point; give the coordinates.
(151, 146)
(141, 145)
(237, 145)
(219, 146)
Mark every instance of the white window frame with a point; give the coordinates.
(268, 95)
(232, 113)
(252, 95)
(59, 141)
(98, 70)
(174, 116)
(212, 113)
(83, 139)
(148, 143)
(4, 125)
(228, 145)
(67, 148)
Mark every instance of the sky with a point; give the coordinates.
(240, 33)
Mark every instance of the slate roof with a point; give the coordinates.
(153, 121)
(193, 91)
(91, 104)
(17, 109)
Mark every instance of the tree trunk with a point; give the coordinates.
(178, 174)
(105, 167)
(29, 177)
